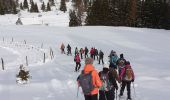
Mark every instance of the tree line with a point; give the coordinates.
(132, 13)
(13, 6)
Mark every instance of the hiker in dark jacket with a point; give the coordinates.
(101, 56)
(68, 49)
(96, 54)
(86, 52)
(109, 85)
(81, 53)
(76, 51)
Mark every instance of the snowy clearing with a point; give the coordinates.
(147, 49)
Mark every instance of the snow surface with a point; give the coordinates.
(147, 49)
(50, 18)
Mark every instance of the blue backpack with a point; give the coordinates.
(86, 82)
(114, 59)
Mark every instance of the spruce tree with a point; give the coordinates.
(132, 13)
(14, 9)
(73, 19)
(21, 7)
(36, 8)
(25, 6)
(2, 11)
(48, 7)
(51, 2)
(32, 7)
(43, 7)
(63, 6)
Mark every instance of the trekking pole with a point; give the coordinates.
(77, 92)
(116, 94)
(105, 95)
(134, 89)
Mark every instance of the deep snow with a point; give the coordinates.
(147, 49)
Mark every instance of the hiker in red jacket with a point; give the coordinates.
(127, 76)
(77, 60)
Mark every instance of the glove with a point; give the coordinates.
(132, 80)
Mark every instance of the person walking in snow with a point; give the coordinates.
(95, 80)
(121, 63)
(101, 56)
(109, 84)
(62, 48)
(113, 59)
(68, 49)
(96, 53)
(92, 53)
(76, 51)
(81, 53)
(127, 76)
(86, 52)
(78, 64)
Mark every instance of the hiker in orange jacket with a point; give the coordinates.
(96, 82)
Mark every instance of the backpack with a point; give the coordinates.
(86, 82)
(121, 64)
(128, 74)
(106, 84)
(113, 59)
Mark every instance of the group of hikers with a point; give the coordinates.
(104, 83)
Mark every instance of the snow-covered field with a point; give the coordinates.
(147, 49)
(50, 18)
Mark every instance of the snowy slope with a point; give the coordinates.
(51, 18)
(147, 49)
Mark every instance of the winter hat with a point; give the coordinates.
(127, 63)
(106, 66)
(121, 55)
(88, 61)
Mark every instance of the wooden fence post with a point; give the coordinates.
(12, 39)
(25, 42)
(44, 58)
(2, 64)
(26, 60)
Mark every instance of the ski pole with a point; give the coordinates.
(105, 95)
(77, 92)
(116, 94)
(134, 89)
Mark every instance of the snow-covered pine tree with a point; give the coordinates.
(73, 19)
(48, 7)
(63, 6)
(43, 7)
(25, 4)
(23, 75)
(36, 8)
(52, 3)
(21, 6)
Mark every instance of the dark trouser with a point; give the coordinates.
(91, 97)
(124, 84)
(106, 95)
(102, 60)
(86, 55)
(91, 55)
(62, 51)
(78, 65)
(94, 57)
(81, 56)
(68, 52)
